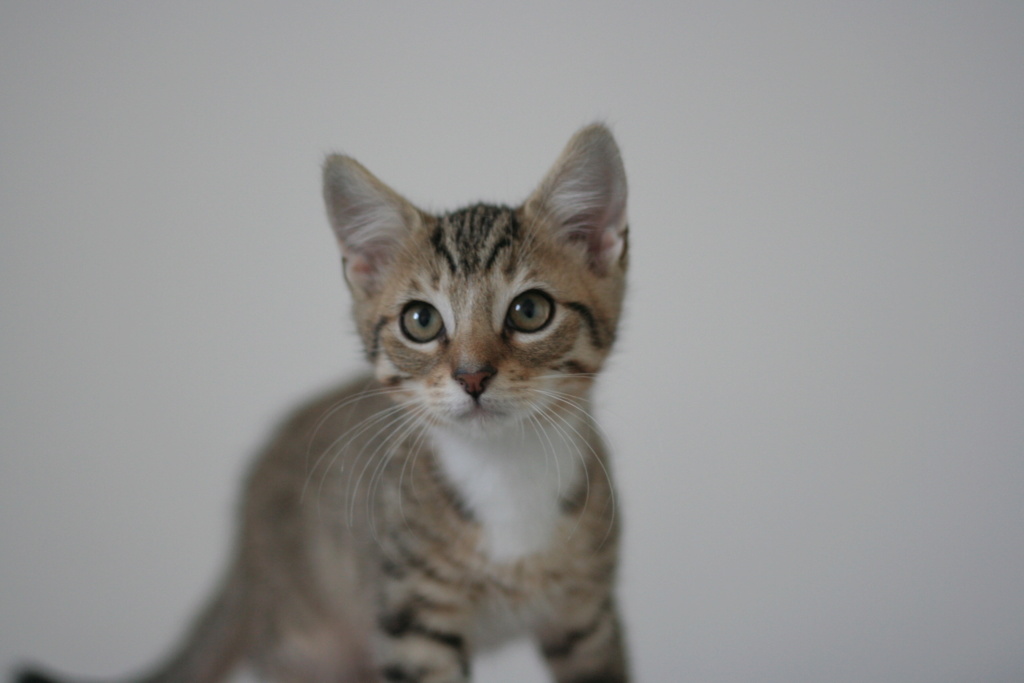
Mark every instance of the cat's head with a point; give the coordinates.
(484, 316)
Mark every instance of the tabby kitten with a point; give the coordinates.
(462, 496)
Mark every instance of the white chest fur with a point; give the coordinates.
(513, 482)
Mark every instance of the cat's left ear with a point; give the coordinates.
(583, 197)
(370, 220)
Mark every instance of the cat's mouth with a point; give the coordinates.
(481, 413)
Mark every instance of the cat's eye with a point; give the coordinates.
(421, 322)
(530, 311)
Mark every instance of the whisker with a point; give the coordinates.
(353, 489)
(549, 454)
(349, 436)
(350, 402)
(564, 375)
(577, 404)
(399, 436)
(549, 415)
(412, 456)
(600, 461)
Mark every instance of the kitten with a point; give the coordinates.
(462, 496)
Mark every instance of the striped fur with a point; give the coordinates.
(461, 495)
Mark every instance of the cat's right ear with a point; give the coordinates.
(370, 220)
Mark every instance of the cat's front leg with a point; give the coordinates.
(421, 639)
(585, 645)
(415, 645)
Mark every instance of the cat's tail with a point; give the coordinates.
(211, 650)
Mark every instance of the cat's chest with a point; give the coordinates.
(513, 484)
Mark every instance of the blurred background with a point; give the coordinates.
(817, 404)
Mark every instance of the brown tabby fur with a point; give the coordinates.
(371, 547)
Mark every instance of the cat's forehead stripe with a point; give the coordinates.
(472, 239)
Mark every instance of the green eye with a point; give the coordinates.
(530, 311)
(421, 322)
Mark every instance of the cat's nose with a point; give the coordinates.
(474, 380)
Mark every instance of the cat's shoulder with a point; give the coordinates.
(313, 427)
(326, 413)
(360, 395)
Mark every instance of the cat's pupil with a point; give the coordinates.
(422, 317)
(530, 311)
(421, 322)
(527, 309)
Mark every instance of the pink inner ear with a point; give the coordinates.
(359, 270)
(359, 266)
(606, 247)
(607, 241)
(366, 266)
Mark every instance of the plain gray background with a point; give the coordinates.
(817, 404)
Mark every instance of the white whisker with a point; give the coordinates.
(350, 402)
(412, 455)
(550, 454)
(399, 437)
(341, 444)
(573, 444)
(391, 425)
(562, 398)
(351, 432)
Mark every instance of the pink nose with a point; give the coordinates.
(474, 380)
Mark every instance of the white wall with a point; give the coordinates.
(818, 401)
